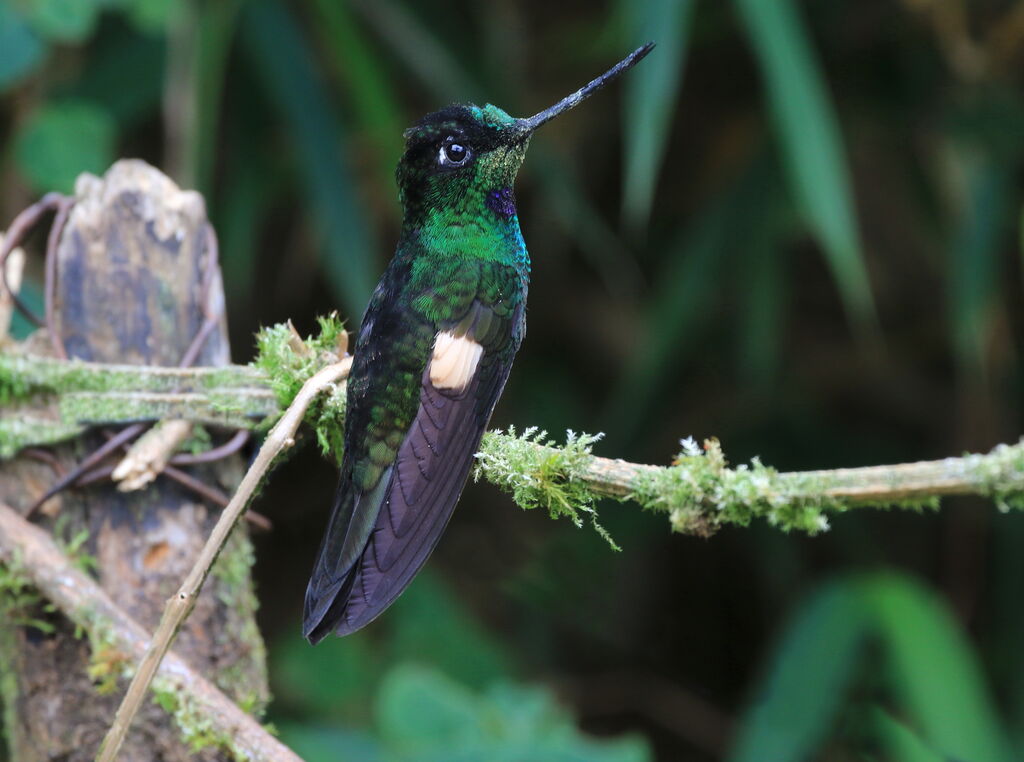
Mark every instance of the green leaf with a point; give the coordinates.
(282, 58)
(974, 259)
(374, 100)
(204, 38)
(811, 141)
(933, 673)
(101, 80)
(151, 16)
(899, 742)
(420, 708)
(796, 703)
(315, 744)
(305, 679)
(453, 642)
(424, 715)
(21, 50)
(651, 92)
(427, 58)
(762, 293)
(63, 20)
(62, 140)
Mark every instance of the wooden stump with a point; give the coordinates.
(130, 274)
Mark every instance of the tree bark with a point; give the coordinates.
(130, 272)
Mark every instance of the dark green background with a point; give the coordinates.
(796, 227)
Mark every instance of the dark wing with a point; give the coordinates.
(416, 496)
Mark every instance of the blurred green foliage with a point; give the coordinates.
(927, 674)
(62, 140)
(796, 226)
(420, 714)
(462, 706)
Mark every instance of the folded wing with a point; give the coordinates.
(377, 541)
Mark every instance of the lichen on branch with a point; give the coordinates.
(537, 474)
(288, 361)
(699, 492)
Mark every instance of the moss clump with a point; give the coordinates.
(288, 363)
(1000, 474)
(13, 385)
(198, 441)
(107, 665)
(538, 474)
(20, 602)
(24, 375)
(196, 728)
(72, 543)
(8, 686)
(23, 427)
(700, 493)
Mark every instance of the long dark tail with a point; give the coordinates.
(348, 530)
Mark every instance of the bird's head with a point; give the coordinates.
(465, 157)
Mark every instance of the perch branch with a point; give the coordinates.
(85, 603)
(699, 494)
(973, 474)
(179, 605)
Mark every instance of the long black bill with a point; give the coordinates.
(571, 101)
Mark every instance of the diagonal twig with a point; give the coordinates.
(86, 604)
(180, 604)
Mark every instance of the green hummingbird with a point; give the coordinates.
(432, 356)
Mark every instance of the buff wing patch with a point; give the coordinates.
(454, 361)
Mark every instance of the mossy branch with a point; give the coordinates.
(36, 557)
(699, 492)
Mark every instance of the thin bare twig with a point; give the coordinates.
(198, 486)
(122, 437)
(230, 447)
(201, 488)
(13, 269)
(15, 233)
(86, 604)
(180, 605)
(149, 455)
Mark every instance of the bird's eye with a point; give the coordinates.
(453, 154)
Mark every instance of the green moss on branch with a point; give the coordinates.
(537, 474)
(699, 492)
(288, 361)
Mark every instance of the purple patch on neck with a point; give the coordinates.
(502, 202)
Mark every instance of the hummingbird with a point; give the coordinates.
(433, 353)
